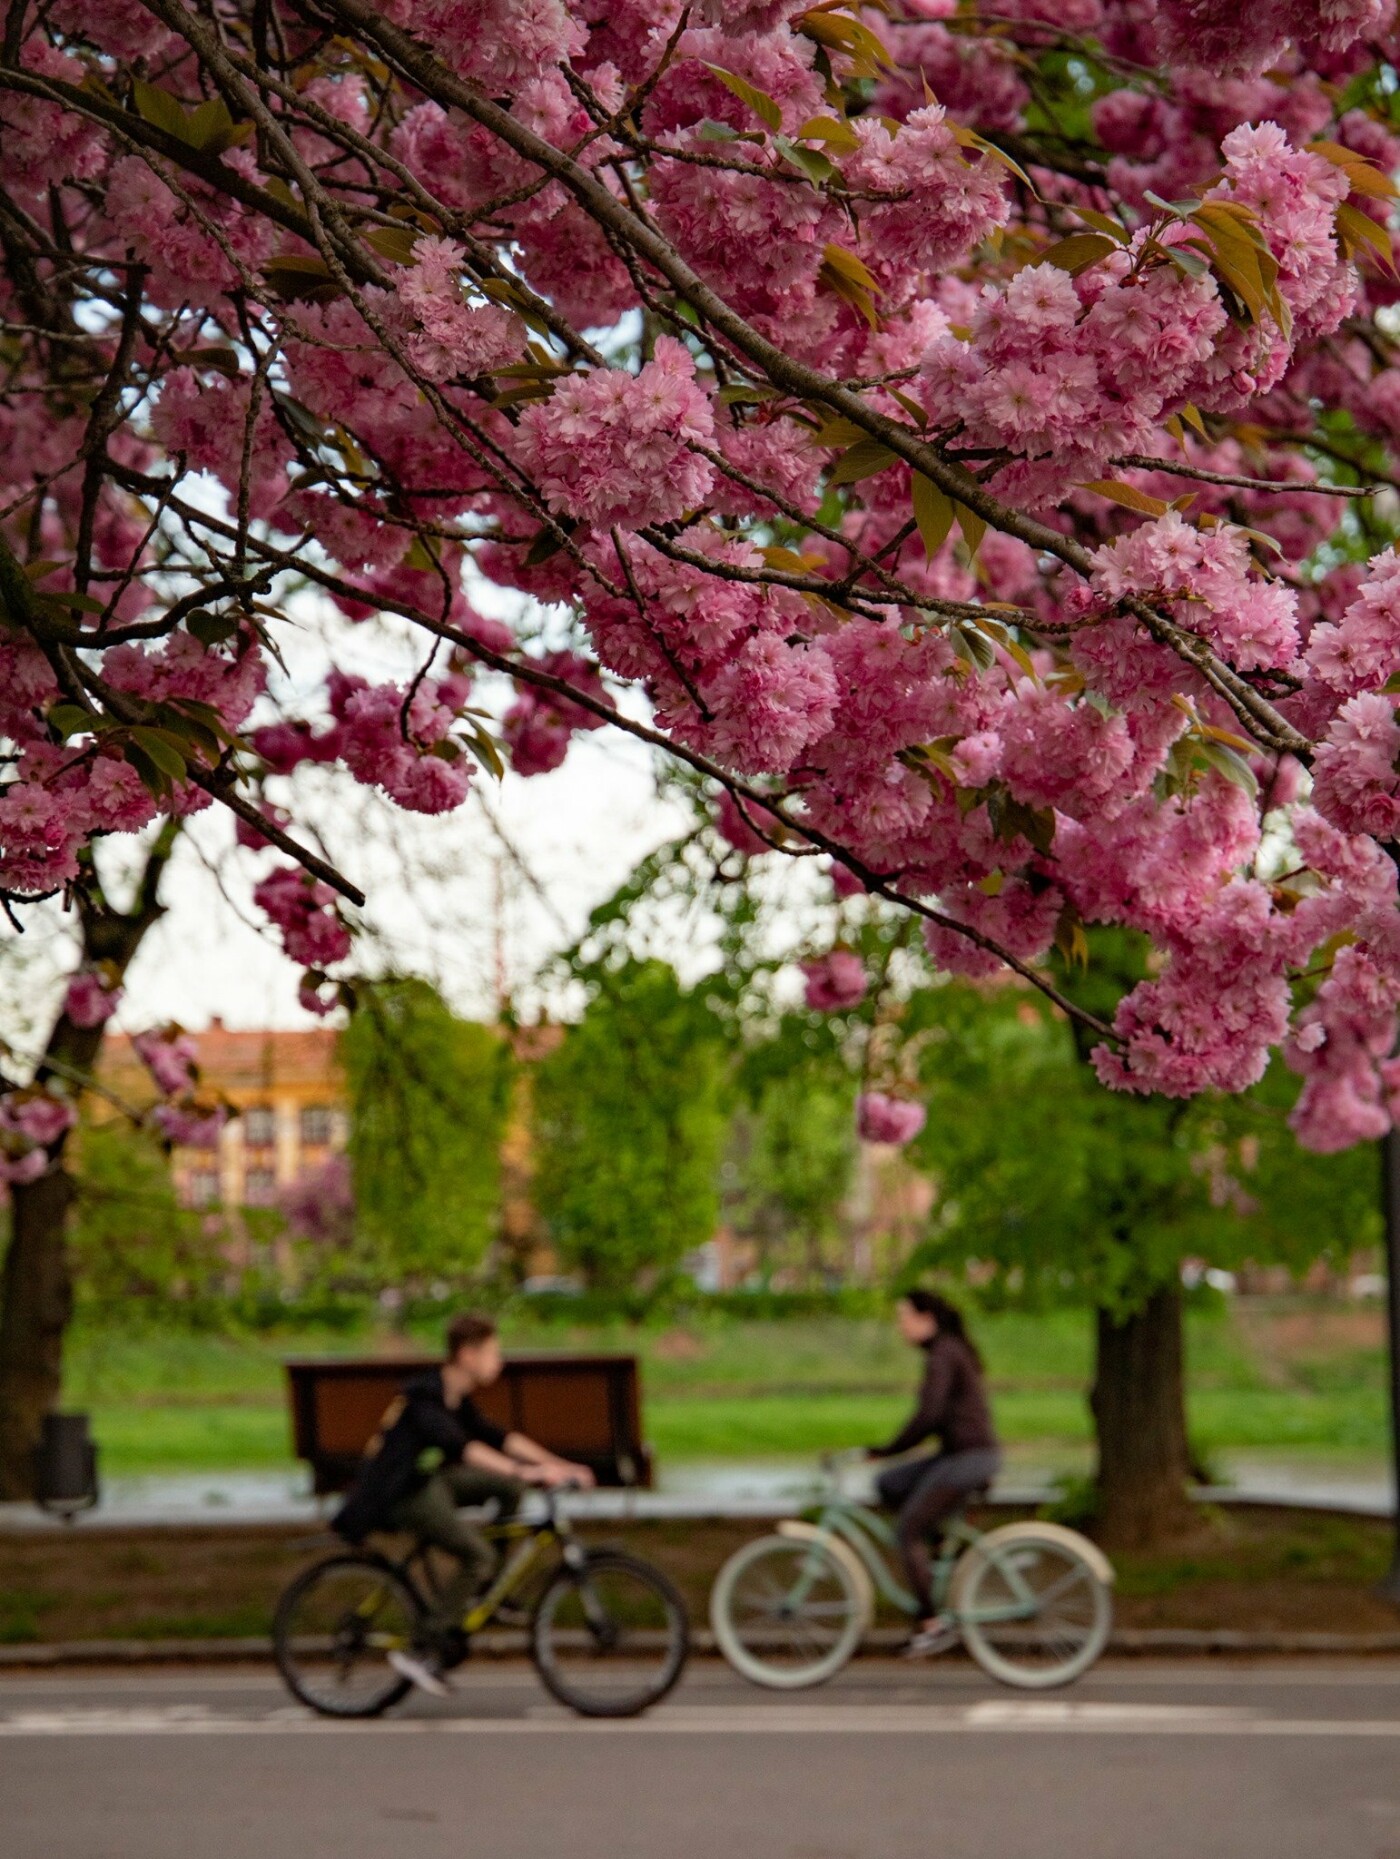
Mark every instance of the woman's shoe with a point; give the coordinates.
(935, 1636)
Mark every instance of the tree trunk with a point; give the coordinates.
(1139, 1408)
(38, 1301)
(35, 1283)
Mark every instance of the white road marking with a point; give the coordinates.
(1012, 1716)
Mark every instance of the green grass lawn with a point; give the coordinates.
(1285, 1375)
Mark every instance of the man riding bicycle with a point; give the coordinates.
(435, 1451)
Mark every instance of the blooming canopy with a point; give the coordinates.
(974, 501)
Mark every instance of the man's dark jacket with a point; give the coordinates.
(417, 1423)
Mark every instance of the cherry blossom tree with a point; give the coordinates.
(961, 427)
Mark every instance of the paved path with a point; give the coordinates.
(1138, 1762)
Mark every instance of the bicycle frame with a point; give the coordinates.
(868, 1534)
(534, 1540)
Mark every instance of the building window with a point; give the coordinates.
(259, 1126)
(316, 1125)
(202, 1187)
(259, 1187)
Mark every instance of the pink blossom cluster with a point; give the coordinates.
(746, 825)
(1200, 32)
(881, 1118)
(303, 909)
(541, 723)
(171, 1057)
(612, 447)
(835, 981)
(1207, 579)
(1018, 755)
(92, 997)
(449, 336)
(32, 1121)
(386, 736)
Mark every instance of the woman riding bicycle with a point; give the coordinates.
(952, 1403)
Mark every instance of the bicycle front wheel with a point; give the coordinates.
(1033, 1610)
(609, 1637)
(334, 1630)
(786, 1612)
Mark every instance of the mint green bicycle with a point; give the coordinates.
(1033, 1601)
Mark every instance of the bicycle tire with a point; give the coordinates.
(297, 1632)
(744, 1645)
(586, 1628)
(1051, 1649)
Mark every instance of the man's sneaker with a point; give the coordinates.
(421, 1670)
(926, 1641)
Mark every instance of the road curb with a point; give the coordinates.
(1127, 1642)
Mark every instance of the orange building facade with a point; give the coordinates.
(289, 1091)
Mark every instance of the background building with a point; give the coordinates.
(289, 1091)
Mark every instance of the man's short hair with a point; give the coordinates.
(466, 1331)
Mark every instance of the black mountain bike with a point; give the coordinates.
(608, 1633)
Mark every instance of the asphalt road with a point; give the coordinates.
(1213, 1761)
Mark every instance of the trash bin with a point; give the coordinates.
(65, 1469)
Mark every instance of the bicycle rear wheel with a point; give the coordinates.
(334, 1629)
(786, 1612)
(609, 1637)
(1065, 1610)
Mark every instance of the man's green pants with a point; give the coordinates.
(432, 1514)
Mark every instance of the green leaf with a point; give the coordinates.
(71, 720)
(210, 629)
(762, 105)
(548, 542)
(808, 161)
(863, 460)
(160, 108)
(1078, 252)
(973, 527)
(484, 748)
(1228, 762)
(1126, 494)
(1101, 222)
(212, 129)
(301, 277)
(152, 779)
(162, 749)
(223, 360)
(395, 243)
(933, 512)
(834, 131)
(848, 266)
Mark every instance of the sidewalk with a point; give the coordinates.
(689, 1491)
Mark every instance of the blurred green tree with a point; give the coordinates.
(631, 1113)
(428, 1095)
(1055, 1189)
(128, 1236)
(792, 1152)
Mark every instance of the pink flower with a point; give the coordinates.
(303, 908)
(1355, 779)
(610, 447)
(171, 1057)
(749, 828)
(190, 1126)
(91, 1000)
(37, 1116)
(835, 981)
(884, 1119)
